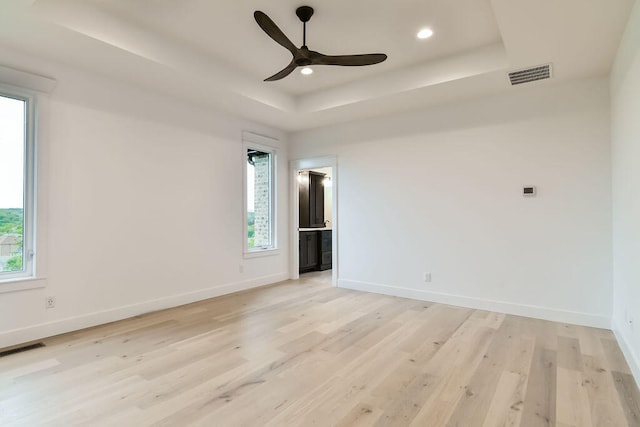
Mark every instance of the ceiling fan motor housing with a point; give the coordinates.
(303, 60)
(304, 13)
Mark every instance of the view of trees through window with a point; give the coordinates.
(12, 172)
(11, 232)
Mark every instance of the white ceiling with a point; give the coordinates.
(213, 52)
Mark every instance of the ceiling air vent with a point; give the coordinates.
(530, 74)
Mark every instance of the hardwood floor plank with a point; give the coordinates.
(474, 403)
(539, 407)
(508, 401)
(573, 407)
(408, 401)
(569, 354)
(599, 383)
(361, 415)
(504, 409)
(454, 364)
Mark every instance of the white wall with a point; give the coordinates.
(625, 94)
(439, 191)
(142, 199)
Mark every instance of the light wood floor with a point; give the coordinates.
(304, 354)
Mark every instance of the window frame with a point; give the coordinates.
(265, 145)
(29, 190)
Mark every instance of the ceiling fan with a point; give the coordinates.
(302, 56)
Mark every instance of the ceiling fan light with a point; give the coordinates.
(306, 71)
(425, 33)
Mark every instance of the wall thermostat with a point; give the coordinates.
(529, 191)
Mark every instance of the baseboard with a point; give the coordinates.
(48, 329)
(633, 359)
(545, 313)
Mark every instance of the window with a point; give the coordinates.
(259, 166)
(16, 185)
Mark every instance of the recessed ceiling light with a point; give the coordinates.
(306, 71)
(425, 33)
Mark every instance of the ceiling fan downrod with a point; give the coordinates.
(304, 14)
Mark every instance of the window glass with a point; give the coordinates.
(13, 145)
(259, 199)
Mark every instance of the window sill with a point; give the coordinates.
(22, 284)
(261, 253)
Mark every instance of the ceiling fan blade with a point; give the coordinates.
(282, 74)
(272, 30)
(346, 60)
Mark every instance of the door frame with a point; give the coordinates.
(294, 167)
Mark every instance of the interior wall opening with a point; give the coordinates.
(315, 221)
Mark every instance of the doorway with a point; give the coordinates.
(314, 213)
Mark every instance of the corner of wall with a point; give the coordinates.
(633, 359)
(624, 82)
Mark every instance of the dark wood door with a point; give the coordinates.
(309, 254)
(316, 199)
(303, 203)
(311, 199)
(325, 249)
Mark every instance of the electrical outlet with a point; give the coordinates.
(50, 302)
(426, 276)
(241, 268)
